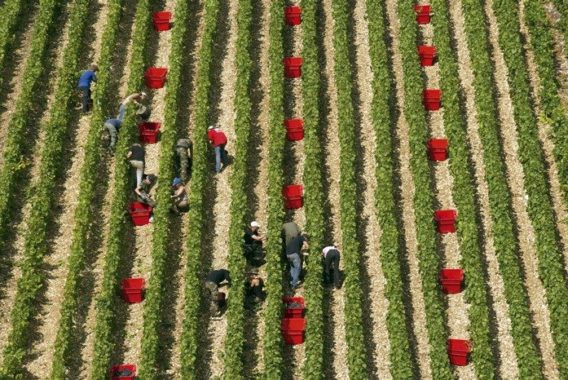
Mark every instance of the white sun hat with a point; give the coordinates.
(255, 224)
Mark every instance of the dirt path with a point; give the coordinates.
(255, 351)
(142, 266)
(175, 360)
(36, 139)
(458, 309)
(378, 307)
(407, 195)
(336, 345)
(220, 245)
(21, 51)
(42, 351)
(96, 267)
(538, 304)
(508, 368)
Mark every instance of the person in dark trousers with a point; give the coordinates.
(254, 290)
(183, 153)
(85, 81)
(331, 257)
(294, 251)
(218, 140)
(253, 245)
(215, 279)
(143, 191)
(136, 157)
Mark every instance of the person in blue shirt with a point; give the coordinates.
(85, 80)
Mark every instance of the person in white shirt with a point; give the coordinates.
(331, 257)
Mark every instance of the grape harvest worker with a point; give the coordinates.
(183, 152)
(142, 111)
(294, 250)
(180, 198)
(143, 191)
(136, 157)
(331, 257)
(218, 140)
(113, 126)
(253, 244)
(85, 80)
(254, 289)
(215, 279)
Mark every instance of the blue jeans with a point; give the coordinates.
(220, 157)
(121, 112)
(295, 268)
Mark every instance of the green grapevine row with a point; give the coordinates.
(540, 209)
(191, 326)
(356, 357)
(153, 304)
(499, 196)
(463, 193)
(106, 303)
(10, 19)
(402, 366)
(314, 194)
(15, 161)
(83, 212)
(35, 245)
(272, 341)
(562, 7)
(235, 337)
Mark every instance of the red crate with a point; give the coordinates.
(293, 324)
(438, 149)
(293, 196)
(294, 129)
(293, 15)
(149, 132)
(115, 373)
(432, 99)
(155, 77)
(446, 220)
(427, 55)
(423, 13)
(451, 280)
(293, 67)
(458, 351)
(293, 338)
(140, 213)
(132, 289)
(293, 311)
(161, 21)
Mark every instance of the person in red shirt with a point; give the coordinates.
(218, 140)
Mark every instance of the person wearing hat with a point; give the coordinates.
(253, 245)
(85, 81)
(142, 111)
(218, 140)
(180, 198)
(215, 279)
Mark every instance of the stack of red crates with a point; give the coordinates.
(293, 324)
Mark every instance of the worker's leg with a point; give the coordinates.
(121, 112)
(218, 150)
(112, 132)
(223, 154)
(139, 166)
(295, 268)
(336, 272)
(327, 269)
(86, 98)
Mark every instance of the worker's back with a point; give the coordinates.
(289, 231)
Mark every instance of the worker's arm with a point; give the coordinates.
(129, 154)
